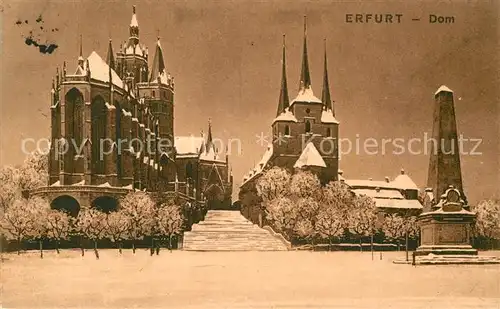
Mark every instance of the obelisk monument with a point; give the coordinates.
(444, 163)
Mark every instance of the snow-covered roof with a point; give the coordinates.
(188, 144)
(403, 181)
(362, 183)
(130, 187)
(125, 113)
(306, 95)
(398, 203)
(388, 194)
(310, 157)
(287, 115)
(443, 88)
(400, 183)
(261, 165)
(56, 184)
(134, 49)
(327, 117)
(165, 79)
(209, 155)
(99, 70)
(106, 184)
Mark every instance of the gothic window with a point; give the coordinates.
(328, 132)
(98, 130)
(118, 127)
(153, 95)
(308, 126)
(287, 130)
(74, 120)
(189, 170)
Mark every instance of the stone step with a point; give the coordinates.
(223, 230)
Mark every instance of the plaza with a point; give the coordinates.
(286, 279)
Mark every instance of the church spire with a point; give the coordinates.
(110, 58)
(305, 77)
(283, 100)
(80, 57)
(325, 97)
(158, 66)
(209, 137)
(134, 29)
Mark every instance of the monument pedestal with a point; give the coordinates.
(447, 230)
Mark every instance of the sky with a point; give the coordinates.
(226, 60)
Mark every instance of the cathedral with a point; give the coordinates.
(112, 132)
(305, 137)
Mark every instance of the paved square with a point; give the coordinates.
(242, 280)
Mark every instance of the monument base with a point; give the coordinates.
(451, 259)
(446, 250)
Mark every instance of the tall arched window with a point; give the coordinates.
(287, 130)
(308, 126)
(328, 132)
(98, 129)
(73, 123)
(189, 170)
(118, 129)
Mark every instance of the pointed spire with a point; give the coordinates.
(325, 97)
(80, 57)
(305, 77)
(284, 101)
(110, 58)
(158, 66)
(133, 30)
(209, 136)
(133, 21)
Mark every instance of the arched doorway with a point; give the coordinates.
(67, 204)
(215, 197)
(105, 204)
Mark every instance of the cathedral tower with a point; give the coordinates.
(132, 58)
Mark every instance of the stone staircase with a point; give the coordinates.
(226, 230)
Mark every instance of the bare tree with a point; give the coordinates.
(329, 223)
(363, 218)
(9, 187)
(139, 208)
(410, 229)
(273, 184)
(169, 221)
(283, 214)
(305, 184)
(91, 223)
(39, 209)
(34, 171)
(488, 219)
(117, 226)
(393, 228)
(59, 226)
(18, 222)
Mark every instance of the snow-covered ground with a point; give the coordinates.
(242, 280)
